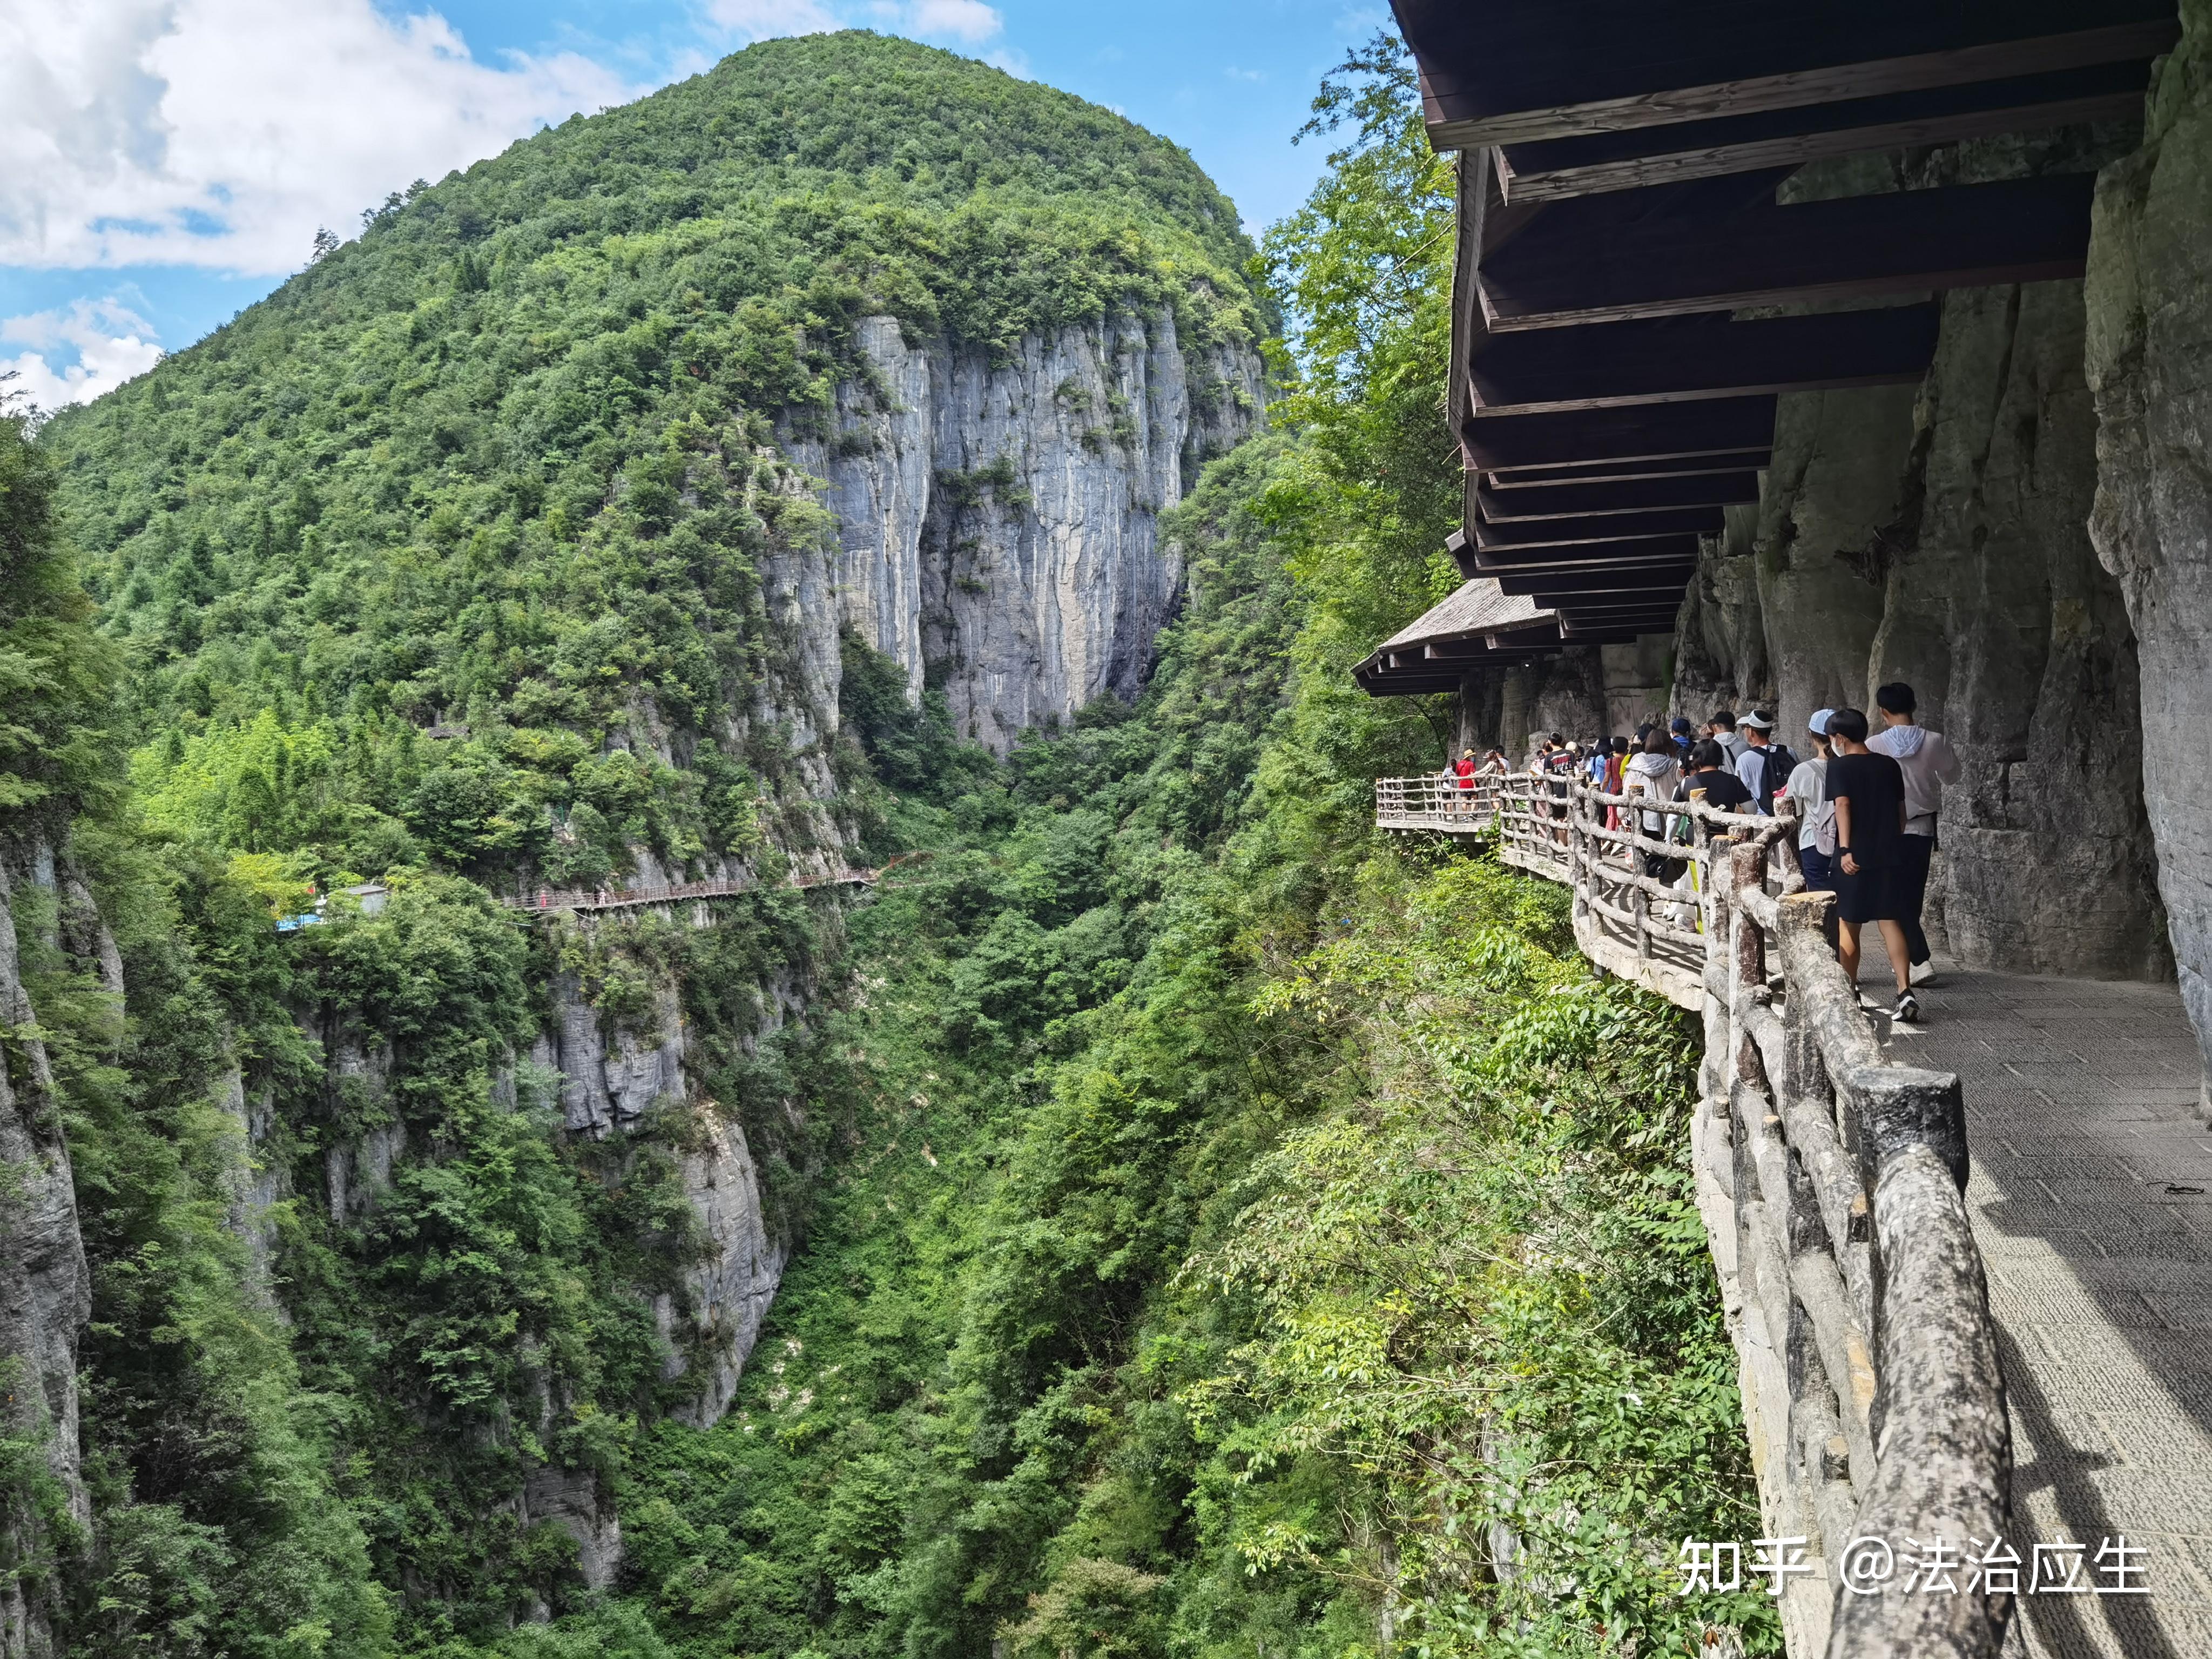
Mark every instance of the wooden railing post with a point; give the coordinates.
(1745, 864)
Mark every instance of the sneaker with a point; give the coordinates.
(1924, 974)
(1907, 1012)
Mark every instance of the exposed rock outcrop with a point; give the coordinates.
(610, 1081)
(730, 1287)
(45, 1292)
(998, 520)
(2149, 354)
(610, 1078)
(1937, 536)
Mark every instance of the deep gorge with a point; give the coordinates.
(1089, 1240)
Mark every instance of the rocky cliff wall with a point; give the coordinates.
(2149, 368)
(45, 1292)
(998, 520)
(1938, 535)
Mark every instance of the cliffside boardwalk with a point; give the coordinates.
(1928, 1350)
(627, 898)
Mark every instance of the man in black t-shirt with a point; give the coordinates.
(1867, 791)
(1710, 780)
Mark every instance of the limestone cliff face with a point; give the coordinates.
(46, 1292)
(999, 520)
(2149, 353)
(609, 1080)
(1937, 535)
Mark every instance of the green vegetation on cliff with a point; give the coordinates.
(453, 550)
(1221, 1231)
(1237, 1220)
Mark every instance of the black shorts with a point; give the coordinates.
(1869, 896)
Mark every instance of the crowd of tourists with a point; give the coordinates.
(1865, 794)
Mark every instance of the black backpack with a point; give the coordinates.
(1777, 764)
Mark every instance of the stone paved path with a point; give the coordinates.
(2092, 1200)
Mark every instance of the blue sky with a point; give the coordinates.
(171, 159)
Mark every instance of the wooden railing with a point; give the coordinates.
(1829, 1180)
(619, 898)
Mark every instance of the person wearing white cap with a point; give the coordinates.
(1816, 814)
(1762, 766)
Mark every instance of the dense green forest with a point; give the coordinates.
(1219, 1231)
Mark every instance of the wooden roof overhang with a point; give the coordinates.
(1434, 651)
(1620, 208)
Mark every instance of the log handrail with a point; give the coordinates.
(1830, 1181)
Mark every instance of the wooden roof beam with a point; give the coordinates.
(1660, 553)
(1556, 169)
(1686, 359)
(1599, 472)
(1382, 686)
(1539, 535)
(1545, 578)
(1653, 253)
(1582, 616)
(1561, 594)
(1589, 437)
(1577, 500)
(1521, 71)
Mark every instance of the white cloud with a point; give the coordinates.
(961, 20)
(758, 19)
(967, 22)
(221, 133)
(111, 344)
(1236, 74)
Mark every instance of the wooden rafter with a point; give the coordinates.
(1678, 359)
(1599, 472)
(1716, 427)
(1611, 259)
(1537, 173)
(1630, 496)
(1521, 71)
(1540, 535)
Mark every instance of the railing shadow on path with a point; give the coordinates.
(1831, 1182)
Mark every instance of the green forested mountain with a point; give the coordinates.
(1214, 1228)
(503, 466)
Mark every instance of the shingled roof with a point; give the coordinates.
(1432, 653)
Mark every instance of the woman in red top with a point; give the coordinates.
(1465, 769)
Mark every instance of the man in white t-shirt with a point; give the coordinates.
(1928, 764)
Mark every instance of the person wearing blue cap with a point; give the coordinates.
(1682, 738)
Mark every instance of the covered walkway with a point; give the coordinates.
(2091, 1200)
(2088, 1198)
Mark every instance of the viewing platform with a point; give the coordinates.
(2017, 1345)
